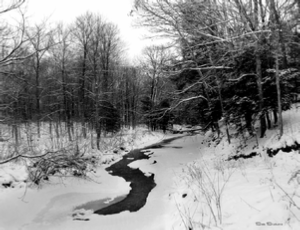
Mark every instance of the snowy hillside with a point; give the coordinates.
(259, 192)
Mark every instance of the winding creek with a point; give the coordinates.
(141, 184)
(134, 193)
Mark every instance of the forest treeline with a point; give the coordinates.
(234, 64)
(227, 63)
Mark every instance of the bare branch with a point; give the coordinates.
(188, 99)
(12, 6)
(15, 54)
(241, 77)
(25, 156)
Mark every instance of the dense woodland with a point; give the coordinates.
(227, 65)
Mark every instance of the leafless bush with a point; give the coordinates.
(292, 196)
(211, 183)
(62, 164)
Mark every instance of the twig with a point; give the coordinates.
(180, 213)
(250, 205)
(25, 156)
(290, 198)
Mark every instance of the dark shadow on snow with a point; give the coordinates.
(273, 152)
(270, 152)
(253, 154)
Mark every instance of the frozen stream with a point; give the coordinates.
(141, 183)
(51, 207)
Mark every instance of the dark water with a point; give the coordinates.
(141, 185)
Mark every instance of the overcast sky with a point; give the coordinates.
(116, 11)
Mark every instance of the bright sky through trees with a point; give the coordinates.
(116, 11)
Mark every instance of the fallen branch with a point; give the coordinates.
(186, 130)
(62, 165)
(25, 156)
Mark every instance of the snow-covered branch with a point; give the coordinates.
(25, 156)
(188, 99)
(241, 77)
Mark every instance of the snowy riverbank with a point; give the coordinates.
(52, 204)
(197, 187)
(259, 192)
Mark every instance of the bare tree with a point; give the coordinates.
(277, 33)
(100, 51)
(94, 57)
(129, 94)
(12, 51)
(12, 37)
(110, 52)
(82, 31)
(155, 58)
(153, 63)
(40, 40)
(198, 27)
(62, 55)
(7, 6)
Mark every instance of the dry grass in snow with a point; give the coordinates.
(261, 192)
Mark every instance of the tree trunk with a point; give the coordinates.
(248, 119)
(222, 108)
(268, 121)
(280, 43)
(82, 94)
(263, 125)
(278, 40)
(275, 116)
(98, 132)
(37, 93)
(15, 134)
(279, 97)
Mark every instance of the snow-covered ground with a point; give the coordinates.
(197, 188)
(112, 148)
(52, 204)
(254, 193)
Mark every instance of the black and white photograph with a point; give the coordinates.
(149, 114)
